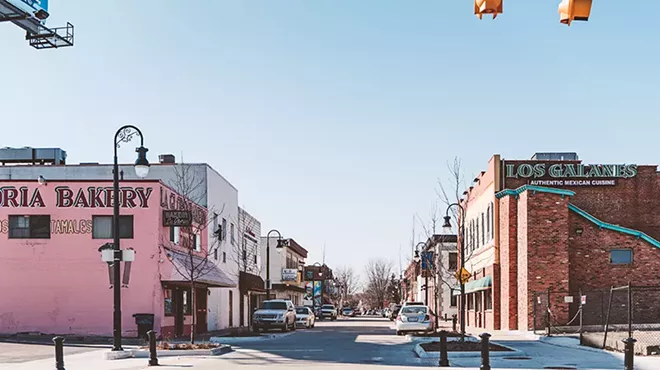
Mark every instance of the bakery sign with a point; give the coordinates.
(570, 174)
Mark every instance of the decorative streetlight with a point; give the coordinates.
(461, 232)
(124, 134)
(280, 245)
(417, 259)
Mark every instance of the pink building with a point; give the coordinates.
(52, 278)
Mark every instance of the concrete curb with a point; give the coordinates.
(421, 353)
(144, 353)
(235, 340)
(546, 340)
(412, 338)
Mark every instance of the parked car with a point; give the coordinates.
(413, 304)
(385, 313)
(414, 319)
(328, 311)
(275, 314)
(348, 312)
(394, 312)
(305, 317)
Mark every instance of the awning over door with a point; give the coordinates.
(203, 271)
(475, 285)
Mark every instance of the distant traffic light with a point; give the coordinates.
(574, 10)
(482, 7)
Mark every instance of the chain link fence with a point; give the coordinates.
(603, 318)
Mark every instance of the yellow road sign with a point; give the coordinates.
(463, 275)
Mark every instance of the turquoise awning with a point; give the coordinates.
(475, 285)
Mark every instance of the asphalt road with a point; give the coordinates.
(354, 341)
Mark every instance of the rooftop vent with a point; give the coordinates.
(567, 156)
(166, 159)
(34, 156)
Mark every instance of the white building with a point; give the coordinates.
(441, 280)
(286, 266)
(198, 181)
(248, 259)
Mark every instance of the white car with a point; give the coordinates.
(413, 304)
(414, 319)
(305, 317)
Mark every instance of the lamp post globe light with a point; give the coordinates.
(280, 245)
(123, 135)
(461, 231)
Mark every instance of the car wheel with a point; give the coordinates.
(293, 326)
(398, 333)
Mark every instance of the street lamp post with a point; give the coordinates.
(426, 275)
(279, 247)
(124, 134)
(461, 231)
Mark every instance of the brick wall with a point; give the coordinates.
(545, 251)
(525, 304)
(631, 203)
(590, 258)
(509, 263)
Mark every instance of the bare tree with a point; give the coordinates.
(348, 282)
(452, 194)
(378, 273)
(189, 258)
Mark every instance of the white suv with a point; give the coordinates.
(276, 313)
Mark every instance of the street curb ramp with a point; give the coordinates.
(421, 353)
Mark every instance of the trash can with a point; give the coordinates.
(144, 322)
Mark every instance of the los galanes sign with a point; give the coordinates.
(570, 174)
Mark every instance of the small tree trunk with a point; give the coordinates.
(194, 311)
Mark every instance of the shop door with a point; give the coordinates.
(231, 308)
(201, 300)
(178, 312)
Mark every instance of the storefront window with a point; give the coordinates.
(477, 298)
(470, 301)
(489, 299)
(454, 299)
(169, 304)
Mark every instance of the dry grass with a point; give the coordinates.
(186, 346)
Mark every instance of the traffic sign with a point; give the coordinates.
(463, 275)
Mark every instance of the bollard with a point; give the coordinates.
(485, 355)
(454, 321)
(444, 356)
(59, 353)
(629, 361)
(153, 354)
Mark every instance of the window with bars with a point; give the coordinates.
(29, 227)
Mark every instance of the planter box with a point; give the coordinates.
(142, 353)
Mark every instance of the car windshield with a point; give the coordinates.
(414, 310)
(274, 306)
(348, 309)
(302, 311)
(328, 306)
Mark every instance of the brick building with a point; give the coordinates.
(555, 224)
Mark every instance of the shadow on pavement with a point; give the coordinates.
(358, 341)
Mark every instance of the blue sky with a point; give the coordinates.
(335, 119)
